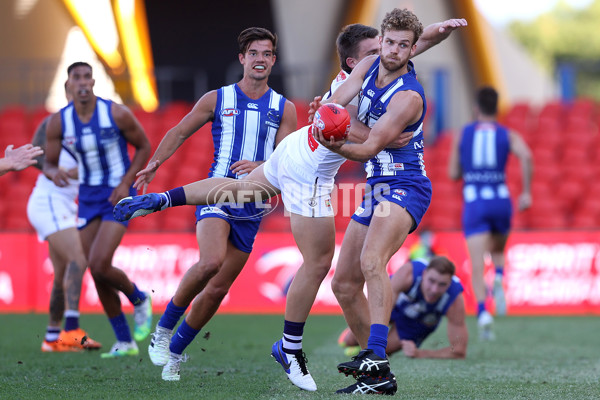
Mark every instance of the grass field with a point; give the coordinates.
(533, 358)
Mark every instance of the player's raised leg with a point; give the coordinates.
(208, 191)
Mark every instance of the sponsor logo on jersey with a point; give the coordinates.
(312, 203)
(86, 130)
(370, 93)
(272, 124)
(341, 76)
(213, 210)
(312, 142)
(359, 211)
(253, 106)
(229, 112)
(400, 192)
(396, 166)
(327, 203)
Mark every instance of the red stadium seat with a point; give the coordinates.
(302, 107)
(179, 219)
(14, 127)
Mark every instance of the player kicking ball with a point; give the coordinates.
(303, 172)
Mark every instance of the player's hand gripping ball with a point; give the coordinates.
(333, 120)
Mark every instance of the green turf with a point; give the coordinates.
(533, 358)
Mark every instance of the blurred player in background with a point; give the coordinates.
(248, 120)
(19, 158)
(423, 292)
(479, 156)
(97, 132)
(52, 211)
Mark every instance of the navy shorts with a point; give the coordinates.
(487, 216)
(244, 220)
(412, 193)
(93, 203)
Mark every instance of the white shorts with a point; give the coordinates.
(302, 192)
(50, 211)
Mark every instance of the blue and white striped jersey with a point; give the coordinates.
(373, 102)
(99, 145)
(244, 128)
(484, 149)
(416, 319)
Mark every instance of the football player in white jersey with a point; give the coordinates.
(305, 179)
(52, 211)
(97, 132)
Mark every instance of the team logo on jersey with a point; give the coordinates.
(69, 141)
(229, 112)
(273, 115)
(430, 319)
(377, 109)
(327, 203)
(253, 106)
(108, 135)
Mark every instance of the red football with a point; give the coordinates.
(333, 120)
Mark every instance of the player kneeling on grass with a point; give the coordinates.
(423, 294)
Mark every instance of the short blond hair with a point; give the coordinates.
(402, 20)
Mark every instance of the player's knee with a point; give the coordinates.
(217, 293)
(205, 269)
(370, 267)
(344, 289)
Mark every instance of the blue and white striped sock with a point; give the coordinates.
(292, 336)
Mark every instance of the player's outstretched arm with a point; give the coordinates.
(436, 33)
(59, 176)
(202, 112)
(458, 334)
(19, 158)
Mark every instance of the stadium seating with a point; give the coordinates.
(564, 139)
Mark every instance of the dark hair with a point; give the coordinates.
(442, 265)
(253, 34)
(77, 64)
(402, 20)
(487, 100)
(349, 39)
